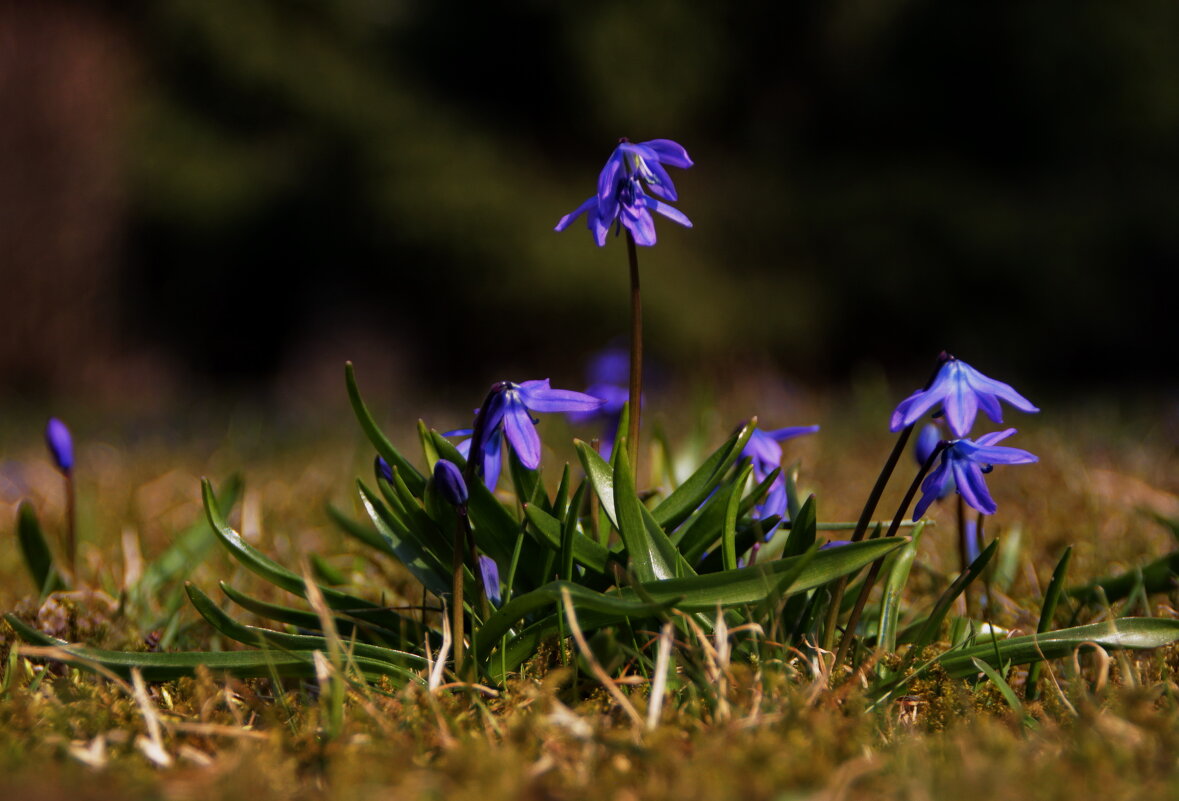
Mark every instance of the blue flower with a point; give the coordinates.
(765, 452)
(927, 439)
(509, 412)
(965, 461)
(630, 170)
(962, 391)
(61, 445)
(489, 573)
(449, 482)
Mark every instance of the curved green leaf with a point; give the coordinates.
(253, 635)
(413, 479)
(34, 548)
(1138, 633)
(174, 665)
(1161, 575)
(688, 496)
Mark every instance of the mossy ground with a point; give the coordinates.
(1111, 729)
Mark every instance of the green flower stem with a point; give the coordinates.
(860, 530)
(874, 570)
(71, 528)
(636, 354)
(456, 599)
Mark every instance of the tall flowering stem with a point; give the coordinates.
(636, 354)
(870, 509)
(874, 570)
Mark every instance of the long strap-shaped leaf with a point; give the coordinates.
(174, 665)
(413, 479)
(253, 635)
(1138, 633)
(676, 507)
(306, 619)
(278, 575)
(34, 548)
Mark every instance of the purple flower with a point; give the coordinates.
(489, 572)
(630, 170)
(382, 469)
(764, 450)
(962, 391)
(61, 445)
(965, 461)
(448, 480)
(927, 439)
(509, 412)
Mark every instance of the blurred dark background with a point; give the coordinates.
(202, 194)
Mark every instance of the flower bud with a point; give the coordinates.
(61, 445)
(382, 469)
(448, 480)
(927, 439)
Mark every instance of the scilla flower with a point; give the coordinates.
(962, 391)
(631, 171)
(61, 445)
(965, 461)
(508, 412)
(765, 452)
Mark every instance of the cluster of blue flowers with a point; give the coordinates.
(958, 392)
(622, 198)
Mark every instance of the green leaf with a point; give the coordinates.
(413, 479)
(1161, 575)
(898, 576)
(803, 529)
(306, 619)
(34, 548)
(704, 528)
(253, 635)
(1047, 613)
(175, 665)
(651, 554)
(729, 525)
(601, 477)
(515, 610)
(586, 551)
(1137, 633)
(750, 585)
(675, 508)
(278, 575)
(403, 543)
(1001, 683)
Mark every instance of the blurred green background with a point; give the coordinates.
(208, 194)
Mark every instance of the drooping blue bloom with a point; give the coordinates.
(448, 480)
(764, 450)
(630, 171)
(508, 413)
(489, 572)
(965, 461)
(962, 391)
(61, 445)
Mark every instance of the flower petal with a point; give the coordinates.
(983, 384)
(640, 224)
(667, 211)
(492, 462)
(521, 433)
(669, 152)
(563, 223)
(971, 486)
(559, 400)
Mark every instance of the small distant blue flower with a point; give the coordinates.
(489, 572)
(61, 445)
(621, 196)
(965, 461)
(509, 413)
(448, 480)
(382, 469)
(962, 391)
(765, 452)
